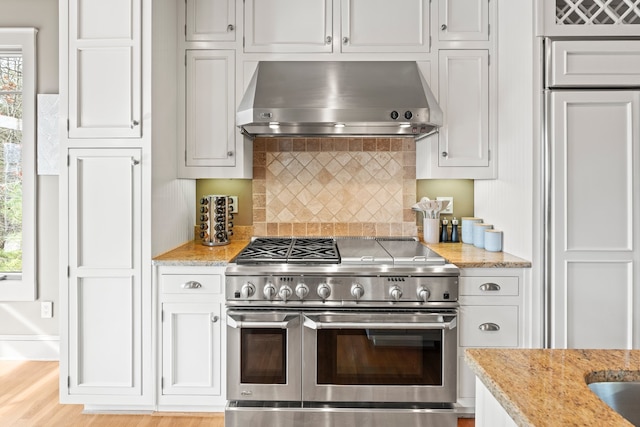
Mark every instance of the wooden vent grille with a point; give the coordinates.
(598, 12)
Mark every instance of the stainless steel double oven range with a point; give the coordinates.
(341, 332)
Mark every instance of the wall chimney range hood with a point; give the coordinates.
(338, 98)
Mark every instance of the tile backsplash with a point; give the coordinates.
(334, 187)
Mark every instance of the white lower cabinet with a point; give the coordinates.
(492, 314)
(191, 336)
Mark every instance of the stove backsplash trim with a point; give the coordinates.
(335, 186)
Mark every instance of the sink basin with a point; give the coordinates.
(622, 397)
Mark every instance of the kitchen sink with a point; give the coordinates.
(622, 396)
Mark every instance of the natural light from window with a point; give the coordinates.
(17, 164)
(10, 163)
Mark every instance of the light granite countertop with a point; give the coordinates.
(196, 254)
(468, 256)
(460, 254)
(548, 387)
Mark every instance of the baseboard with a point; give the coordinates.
(29, 347)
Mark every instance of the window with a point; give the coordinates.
(17, 164)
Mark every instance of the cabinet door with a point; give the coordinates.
(211, 20)
(595, 171)
(384, 26)
(288, 26)
(191, 348)
(464, 99)
(210, 132)
(105, 55)
(465, 20)
(105, 301)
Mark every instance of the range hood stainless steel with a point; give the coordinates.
(381, 98)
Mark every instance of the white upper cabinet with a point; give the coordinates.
(288, 26)
(384, 26)
(210, 20)
(461, 149)
(104, 65)
(590, 17)
(466, 20)
(308, 26)
(209, 131)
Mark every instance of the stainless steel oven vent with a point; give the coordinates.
(343, 98)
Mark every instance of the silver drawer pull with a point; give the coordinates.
(486, 327)
(489, 287)
(192, 284)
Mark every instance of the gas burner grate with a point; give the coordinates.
(283, 250)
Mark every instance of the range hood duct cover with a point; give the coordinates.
(378, 98)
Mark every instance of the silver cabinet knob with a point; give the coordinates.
(489, 327)
(345, 40)
(443, 27)
(328, 40)
(134, 123)
(134, 162)
(230, 28)
(489, 287)
(214, 318)
(192, 284)
(445, 154)
(229, 153)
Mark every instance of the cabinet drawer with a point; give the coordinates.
(602, 63)
(488, 326)
(191, 283)
(489, 286)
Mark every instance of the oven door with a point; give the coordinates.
(263, 355)
(369, 356)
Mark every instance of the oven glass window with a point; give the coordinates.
(263, 356)
(379, 357)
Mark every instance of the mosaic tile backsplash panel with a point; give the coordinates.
(334, 187)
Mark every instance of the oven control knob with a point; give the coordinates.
(324, 291)
(423, 294)
(302, 290)
(396, 293)
(247, 290)
(269, 291)
(357, 290)
(285, 292)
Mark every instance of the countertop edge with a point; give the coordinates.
(498, 393)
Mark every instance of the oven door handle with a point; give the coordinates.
(236, 322)
(313, 322)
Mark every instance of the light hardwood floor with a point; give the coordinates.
(29, 398)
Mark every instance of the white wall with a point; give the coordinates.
(507, 202)
(22, 320)
(173, 211)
